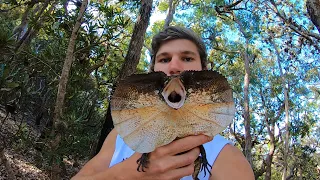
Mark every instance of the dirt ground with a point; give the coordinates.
(24, 162)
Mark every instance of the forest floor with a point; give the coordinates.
(18, 161)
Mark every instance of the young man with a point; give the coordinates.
(175, 50)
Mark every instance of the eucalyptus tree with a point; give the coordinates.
(34, 38)
(59, 125)
(284, 30)
(132, 59)
(314, 12)
(215, 21)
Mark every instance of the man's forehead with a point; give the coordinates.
(179, 43)
(186, 52)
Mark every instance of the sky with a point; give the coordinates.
(156, 16)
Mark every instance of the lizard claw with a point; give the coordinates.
(143, 162)
(204, 162)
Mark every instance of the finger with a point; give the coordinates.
(168, 163)
(182, 145)
(185, 159)
(180, 172)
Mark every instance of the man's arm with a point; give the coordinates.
(164, 163)
(231, 164)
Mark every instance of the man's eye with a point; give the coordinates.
(164, 60)
(188, 59)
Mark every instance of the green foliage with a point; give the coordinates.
(163, 6)
(29, 75)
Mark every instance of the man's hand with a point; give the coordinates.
(172, 161)
(164, 163)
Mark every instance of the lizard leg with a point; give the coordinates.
(197, 164)
(143, 162)
(204, 162)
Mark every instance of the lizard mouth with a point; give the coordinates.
(174, 93)
(174, 97)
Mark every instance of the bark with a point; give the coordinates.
(271, 131)
(246, 113)
(248, 137)
(18, 31)
(300, 173)
(59, 125)
(36, 29)
(131, 60)
(313, 8)
(26, 36)
(136, 43)
(271, 151)
(286, 103)
(270, 126)
(239, 138)
(259, 172)
(292, 172)
(65, 7)
(269, 158)
(67, 65)
(171, 11)
(247, 58)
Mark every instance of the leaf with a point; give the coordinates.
(12, 85)
(163, 6)
(6, 89)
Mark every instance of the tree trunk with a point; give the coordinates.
(300, 172)
(248, 138)
(58, 124)
(34, 31)
(131, 60)
(67, 65)
(313, 8)
(18, 31)
(270, 121)
(287, 135)
(286, 106)
(171, 11)
(30, 29)
(271, 151)
(246, 114)
(136, 43)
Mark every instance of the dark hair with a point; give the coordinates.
(176, 32)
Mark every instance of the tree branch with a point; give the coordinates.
(99, 64)
(294, 26)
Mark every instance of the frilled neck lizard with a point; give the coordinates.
(152, 110)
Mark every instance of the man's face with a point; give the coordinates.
(176, 56)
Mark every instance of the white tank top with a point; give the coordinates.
(213, 148)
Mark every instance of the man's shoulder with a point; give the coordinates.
(110, 141)
(231, 159)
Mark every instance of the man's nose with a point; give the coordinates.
(175, 66)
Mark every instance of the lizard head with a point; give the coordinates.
(174, 93)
